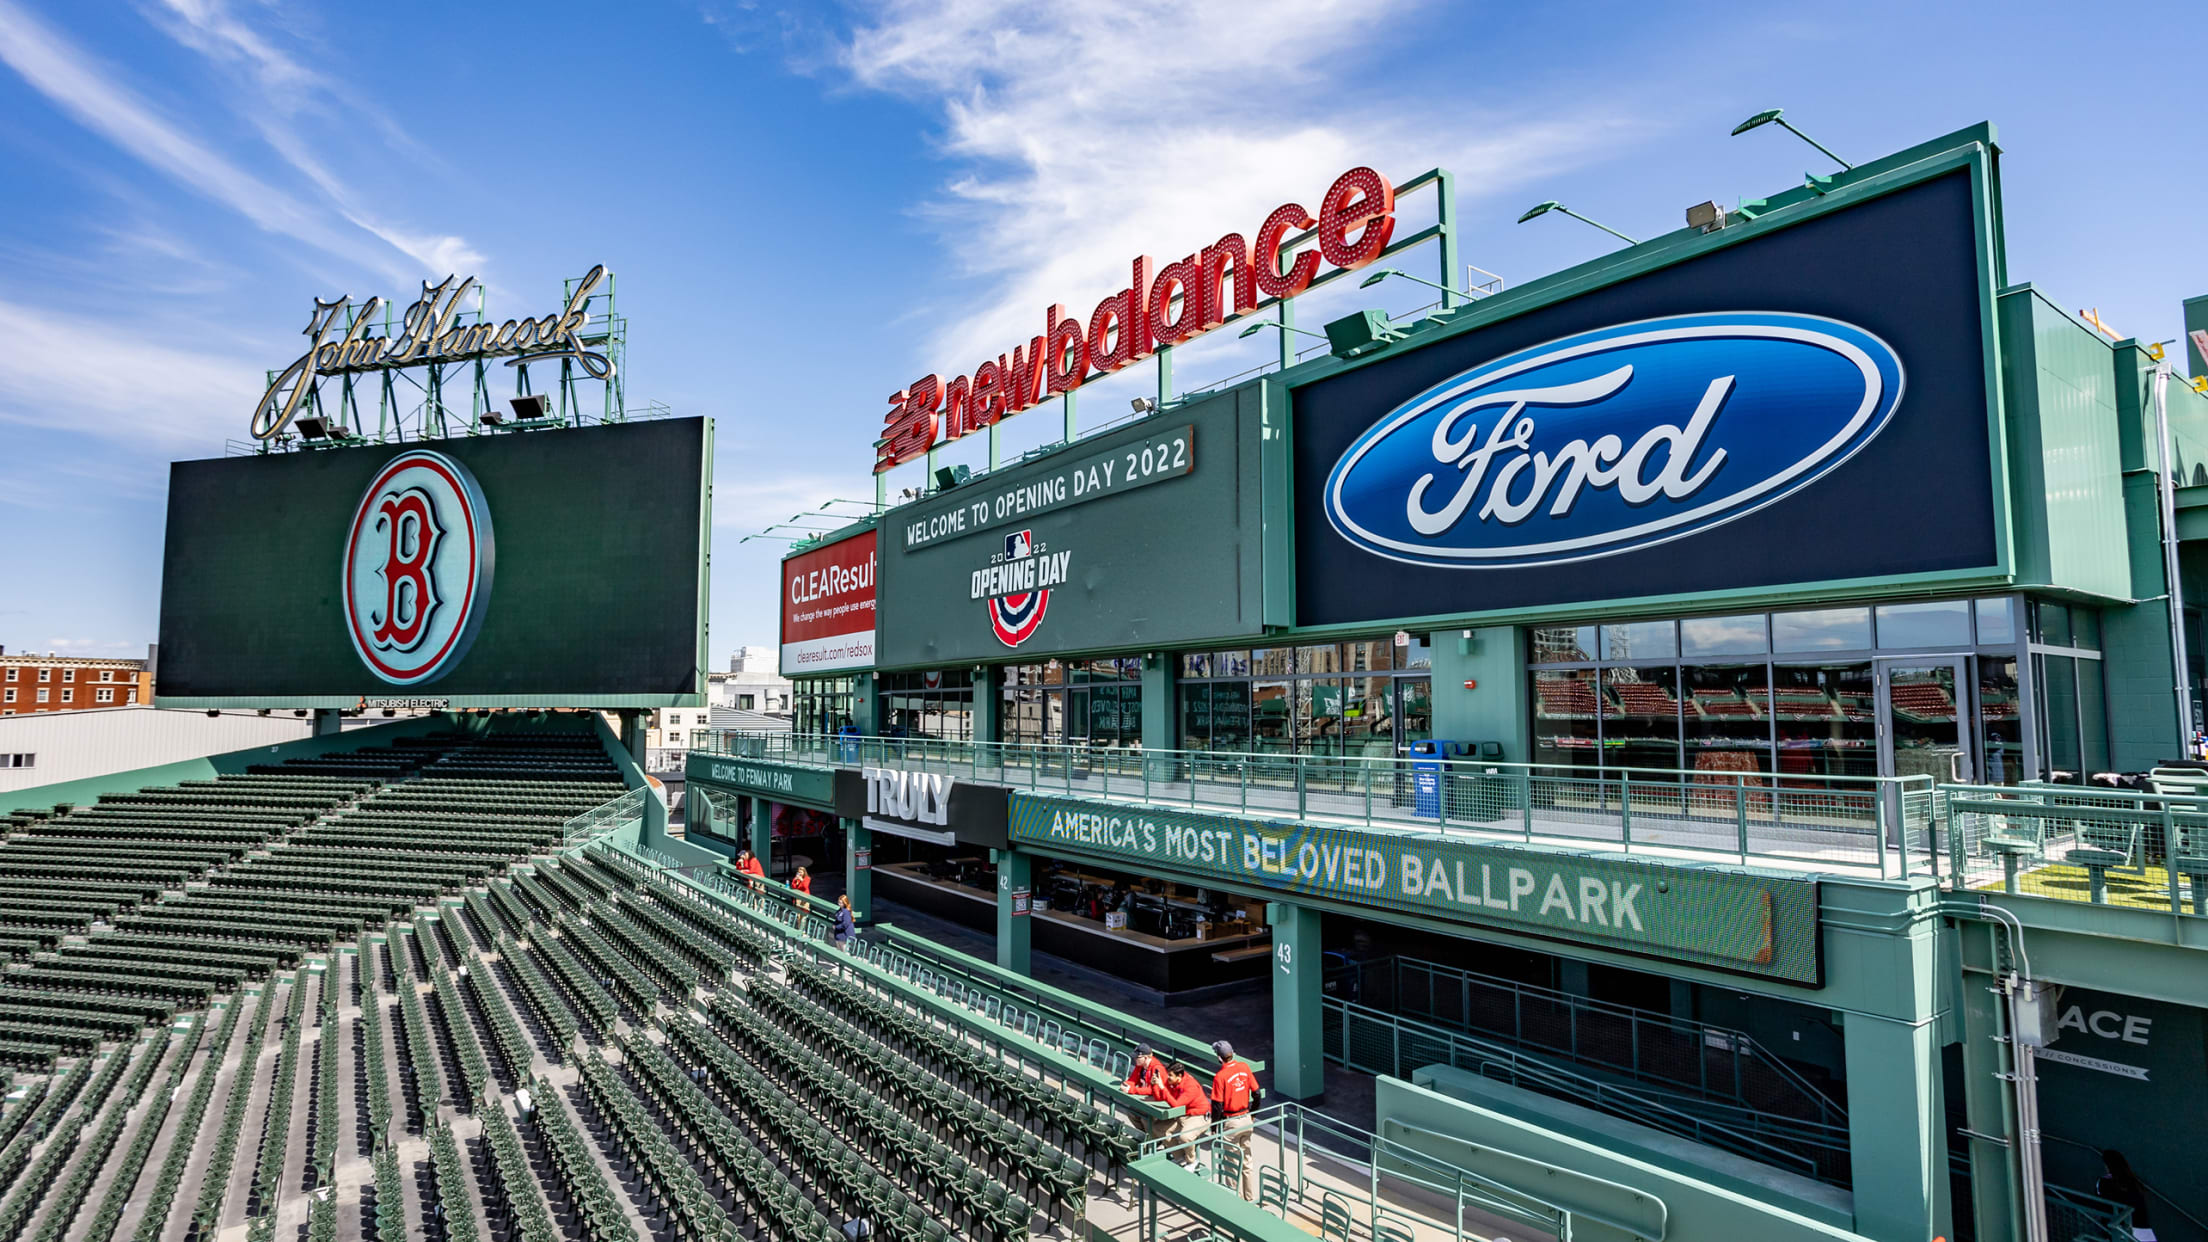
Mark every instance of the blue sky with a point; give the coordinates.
(806, 207)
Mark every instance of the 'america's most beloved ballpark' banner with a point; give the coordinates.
(1751, 922)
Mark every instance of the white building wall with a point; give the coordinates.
(68, 746)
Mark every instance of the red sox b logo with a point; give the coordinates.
(408, 589)
(417, 568)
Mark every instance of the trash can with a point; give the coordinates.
(1429, 760)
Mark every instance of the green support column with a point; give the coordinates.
(762, 831)
(1897, 1129)
(1299, 975)
(328, 722)
(1988, 1106)
(1159, 731)
(988, 703)
(1494, 708)
(1015, 878)
(862, 704)
(858, 883)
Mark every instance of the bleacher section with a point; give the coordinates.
(366, 994)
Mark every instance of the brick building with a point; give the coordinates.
(52, 682)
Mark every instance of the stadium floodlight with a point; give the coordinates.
(491, 418)
(1542, 209)
(319, 427)
(531, 405)
(1144, 405)
(1774, 116)
(1263, 324)
(1382, 273)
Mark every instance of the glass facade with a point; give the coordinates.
(1785, 693)
(1365, 698)
(936, 704)
(1084, 702)
(822, 705)
(2066, 667)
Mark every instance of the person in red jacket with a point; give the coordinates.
(1184, 1091)
(748, 863)
(1234, 1090)
(1146, 1081)
(802, 885)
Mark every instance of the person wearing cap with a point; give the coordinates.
(1234, 1090)
(1146, 1081)
(1185, 1092)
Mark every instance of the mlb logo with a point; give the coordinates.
(1018, 544)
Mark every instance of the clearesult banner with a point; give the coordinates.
(828, 607)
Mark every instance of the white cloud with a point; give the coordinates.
(1086, 135)
(93, 377)
(98, 100)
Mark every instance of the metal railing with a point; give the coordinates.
(624, 811)
(1374, 1042)
(1669, 1054)
(2114, 847)
(1878, 825)
(1313, 1167)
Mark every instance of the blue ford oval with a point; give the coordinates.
(1613, 440)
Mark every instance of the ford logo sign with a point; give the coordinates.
(1613, 440)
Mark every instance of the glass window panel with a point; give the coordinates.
(1419, 654)
(1996, 622)
(2059, 693)
(1728, 724)
(1271, 716)
(1640, 640)
(1196, 664)
(1415, 705)
(1943, 623)
(2092, 718)
(1231, 664)
(1565, 725)
(2085, 624)
(1563, 644)
(1318, 716)
(1368, 716)
(1372, 653)
(1827, 718)
(1273, 661)
(1641, 717)
(1230, 715)
(1708, 636)
(2000, 726)
(1822, 629)
(2054, 623)
(1195, 717)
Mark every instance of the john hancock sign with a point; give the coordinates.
(1757, 923)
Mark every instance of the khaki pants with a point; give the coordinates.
(1184, 1135)
(1237, 1132)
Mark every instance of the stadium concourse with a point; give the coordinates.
(433, 985)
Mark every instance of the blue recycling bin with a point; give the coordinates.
(1429, 760)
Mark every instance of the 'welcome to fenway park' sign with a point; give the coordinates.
(1750, 922)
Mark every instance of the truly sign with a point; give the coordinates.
(1752, 922)
(1161, 306)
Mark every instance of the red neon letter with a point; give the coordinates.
(957, 408)
(1233, 252)
(986, 405)
(1185, 276)
(1359, 197)
(1271, 281)
(910, 428)
(1066, 364)
(1026, 374)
